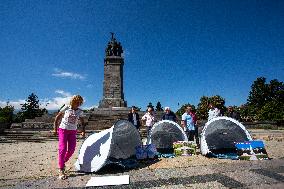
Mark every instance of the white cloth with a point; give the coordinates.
(212, 113)
(70, 118)
(149, 119)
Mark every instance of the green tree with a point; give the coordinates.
(244, 111)
(266, 101)
(275, 91)
(203, 105)
(30, 109)
(159, 107)
(150, 105)
(6, 114)
(257, 96)
(202, 108)
(272, 110)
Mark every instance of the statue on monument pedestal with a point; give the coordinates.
(113, 95)
(113, 48)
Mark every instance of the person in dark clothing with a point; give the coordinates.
(169, 115)
(233, 114)
(133, 117)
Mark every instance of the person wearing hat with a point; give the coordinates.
(169, 115)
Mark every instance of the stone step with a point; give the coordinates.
(31, 135)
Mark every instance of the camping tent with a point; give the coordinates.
(116, 143)
(165, 133)
(220, 134)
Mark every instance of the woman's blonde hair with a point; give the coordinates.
(76, 99)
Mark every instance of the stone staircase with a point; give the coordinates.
(31, 135)
(26, 135)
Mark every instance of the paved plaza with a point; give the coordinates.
(34, 165)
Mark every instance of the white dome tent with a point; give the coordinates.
(116, 143)
(220, 134)
(165, 133)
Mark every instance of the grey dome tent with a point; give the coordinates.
(164, 134)
(118, 142)
(220, 134)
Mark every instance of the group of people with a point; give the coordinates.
(66, 121)
(188, 119)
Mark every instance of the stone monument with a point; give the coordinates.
(113, 95)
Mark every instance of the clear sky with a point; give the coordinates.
(175, 50)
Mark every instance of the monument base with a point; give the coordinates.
(112, 102)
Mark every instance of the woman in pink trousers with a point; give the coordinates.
(67, 129)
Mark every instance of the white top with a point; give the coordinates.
(212, 113)
(149, 119)
(70, 118)
(134, 119)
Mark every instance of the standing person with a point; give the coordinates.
(213, 112)
(150, 119)
(194, 119)
(67, 131)
(188, 123)
(169, 115)
(233, 114)
(133, 117)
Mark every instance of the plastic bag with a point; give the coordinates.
(146, 151)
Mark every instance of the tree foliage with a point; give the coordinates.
(258, 95)
(202, 108)
(159, 107)
(6, 114)
(203, 105)
(265, 100)
(30, 109)
(150, 105)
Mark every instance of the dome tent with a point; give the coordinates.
(165, 133)
(220, 134)
(100, 149)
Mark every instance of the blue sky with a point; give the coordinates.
(175, 51)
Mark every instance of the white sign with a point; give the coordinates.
(108, 180)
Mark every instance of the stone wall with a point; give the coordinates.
(104, 118)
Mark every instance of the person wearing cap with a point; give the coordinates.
(169, 115)
(133, 117)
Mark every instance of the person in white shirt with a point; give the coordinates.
(150, 119)
(213, 112)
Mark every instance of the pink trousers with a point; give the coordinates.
(66, 145)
